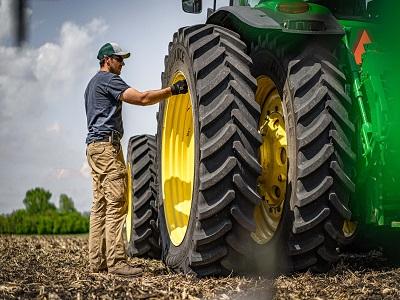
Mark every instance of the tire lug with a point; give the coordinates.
(198, 225)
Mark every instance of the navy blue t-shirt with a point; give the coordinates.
(103, 106)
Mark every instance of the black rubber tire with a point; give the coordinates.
(225, 114)
(321, 159)
(324, 161)
(145, 236)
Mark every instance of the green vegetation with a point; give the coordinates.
(42, 217)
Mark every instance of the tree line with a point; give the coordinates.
(42, 217)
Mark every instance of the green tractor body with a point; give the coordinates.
(286, 147)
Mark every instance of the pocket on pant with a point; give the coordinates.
(95, 148)
(97, 158)
(115, 187)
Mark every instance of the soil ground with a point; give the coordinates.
(55, 267)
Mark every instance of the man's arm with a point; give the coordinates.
(133, 96)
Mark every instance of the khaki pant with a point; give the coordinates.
(109, 207)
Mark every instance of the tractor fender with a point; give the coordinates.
(240, 18)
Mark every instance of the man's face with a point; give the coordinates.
(115, 64)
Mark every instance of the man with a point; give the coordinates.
(103, 103)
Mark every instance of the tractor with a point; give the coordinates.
(284, 150)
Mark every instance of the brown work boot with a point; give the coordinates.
(124, 269)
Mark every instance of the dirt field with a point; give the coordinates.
(56, 268)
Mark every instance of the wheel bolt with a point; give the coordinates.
(281, 177)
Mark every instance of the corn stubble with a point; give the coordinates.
(55, 267)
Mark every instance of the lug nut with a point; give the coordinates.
(281, 177)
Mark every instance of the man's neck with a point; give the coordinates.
(104, 69)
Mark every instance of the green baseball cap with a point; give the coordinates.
(112, 49)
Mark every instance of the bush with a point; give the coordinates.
(42, 217)
(37, 200)
(20, 222)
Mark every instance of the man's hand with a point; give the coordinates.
(179, 87)
(132, 96)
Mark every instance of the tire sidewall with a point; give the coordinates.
(179, 59)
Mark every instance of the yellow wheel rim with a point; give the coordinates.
(273, 159)
(128, 221)
(349, 228)
(177, 159)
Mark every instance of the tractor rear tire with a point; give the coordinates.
(144, 237)
(216, 241)
(321, 160)
(325, 159)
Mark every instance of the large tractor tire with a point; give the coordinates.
(207, 154)
(306, 158)
(142, 231)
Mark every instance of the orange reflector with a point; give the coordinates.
(359, 46)
(293, 7)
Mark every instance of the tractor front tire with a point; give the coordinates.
(207, 154)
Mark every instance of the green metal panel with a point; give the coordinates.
(375, 91)
(316, 20)
(380, 169)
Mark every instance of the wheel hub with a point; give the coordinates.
(273, 160)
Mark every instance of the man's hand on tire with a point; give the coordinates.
(179, 87)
